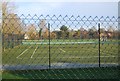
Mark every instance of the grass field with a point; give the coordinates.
(112, 74)
(61, 51)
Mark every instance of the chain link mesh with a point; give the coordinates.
(64, 47)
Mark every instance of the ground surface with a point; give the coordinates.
(64, 53)
(86, 73)
(30, 52)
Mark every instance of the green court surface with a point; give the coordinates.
(79, 52)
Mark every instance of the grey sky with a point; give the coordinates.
(68, 8)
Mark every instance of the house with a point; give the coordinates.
(26, 37)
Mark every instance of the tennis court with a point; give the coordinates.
(60, 54)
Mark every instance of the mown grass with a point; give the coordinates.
(84, 73)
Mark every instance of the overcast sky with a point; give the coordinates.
(60, 7)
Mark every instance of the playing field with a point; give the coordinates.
(59, 52)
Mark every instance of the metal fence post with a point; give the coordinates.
(49, 45)
(99, 42)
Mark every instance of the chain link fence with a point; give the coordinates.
(60, 46)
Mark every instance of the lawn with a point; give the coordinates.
(111, 73)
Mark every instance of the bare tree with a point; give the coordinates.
(7, 8)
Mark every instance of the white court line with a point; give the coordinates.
(79, 57)
(34, 52)
(91, 56)
(22, 53)
(62, 50)
(73, 57)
